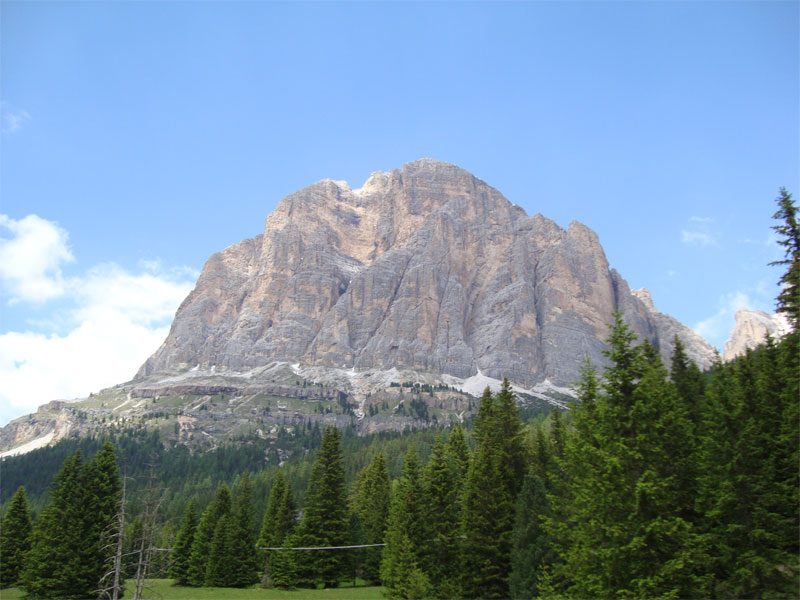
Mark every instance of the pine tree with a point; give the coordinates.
(283, 566)
(441, 556)
(406, 521)
(487, 521)
(15, 539)
(493, 481)
(182, 547)
(532, 551)
(618, 526)
(243, 553)
(458, 451)
(789, 232)
(102, 490)
(325, 518)
(203, 538)
(220, 566)
(279, 518)
(370, 500)
(67, 556)
(746, 503)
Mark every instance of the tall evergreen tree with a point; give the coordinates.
(618, 525)
(67, 557)
(244, 569)
(493, 481)
(531, 544)
(458, 451)
(15, 539)
(220, 566)
(370, 500)
(406, 521)
(325, 518)
(204, 535)
(788, 231)
(441, 555)
(102, 489)
(182, 547)
(746, 503)
(487, 521)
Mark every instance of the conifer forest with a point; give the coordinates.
(658, 482)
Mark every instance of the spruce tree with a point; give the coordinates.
(406, 522)
(370, 500)
(618, 523)
(458, 451)
(203, 538)
(102, 491)
(182, 547)
(15, 539)
(325, 518)
(283, 566)
(532, 550)
(244, 569)
(68, 547)
(493, 482)
(487, 521)
(220, 566)
(441, 556)
(788, 231)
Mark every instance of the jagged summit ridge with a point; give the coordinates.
(424, 267)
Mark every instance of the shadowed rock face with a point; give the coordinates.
(424, 267)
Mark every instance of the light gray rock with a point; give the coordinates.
(424, 267)
(751, 330)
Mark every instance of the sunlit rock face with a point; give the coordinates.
(751, 330)
(424, 267)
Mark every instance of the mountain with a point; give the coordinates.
(391, 304)
(751, 329)
(425, 267)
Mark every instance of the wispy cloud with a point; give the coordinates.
(700, 238)
(14, 119)
(117, 318)
(700, 233)
(717, 327)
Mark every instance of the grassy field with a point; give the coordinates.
(162, 589)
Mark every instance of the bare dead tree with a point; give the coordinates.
(153, 498)
(110, 582)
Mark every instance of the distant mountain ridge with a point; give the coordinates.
(751, 329)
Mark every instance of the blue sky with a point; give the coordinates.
(140, 137)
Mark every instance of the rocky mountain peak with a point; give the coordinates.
(424, 267)
(751, 329)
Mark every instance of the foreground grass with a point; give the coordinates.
(162, 589)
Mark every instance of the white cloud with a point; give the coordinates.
(699, 233)
(118, 318)
(717, 327)
(31, 258)
(700, 238)
(14, 120)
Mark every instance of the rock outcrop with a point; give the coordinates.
(425, 267)
(751, 329)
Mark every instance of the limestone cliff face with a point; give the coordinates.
(696, 348)
(424, 267)
(751, 330)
